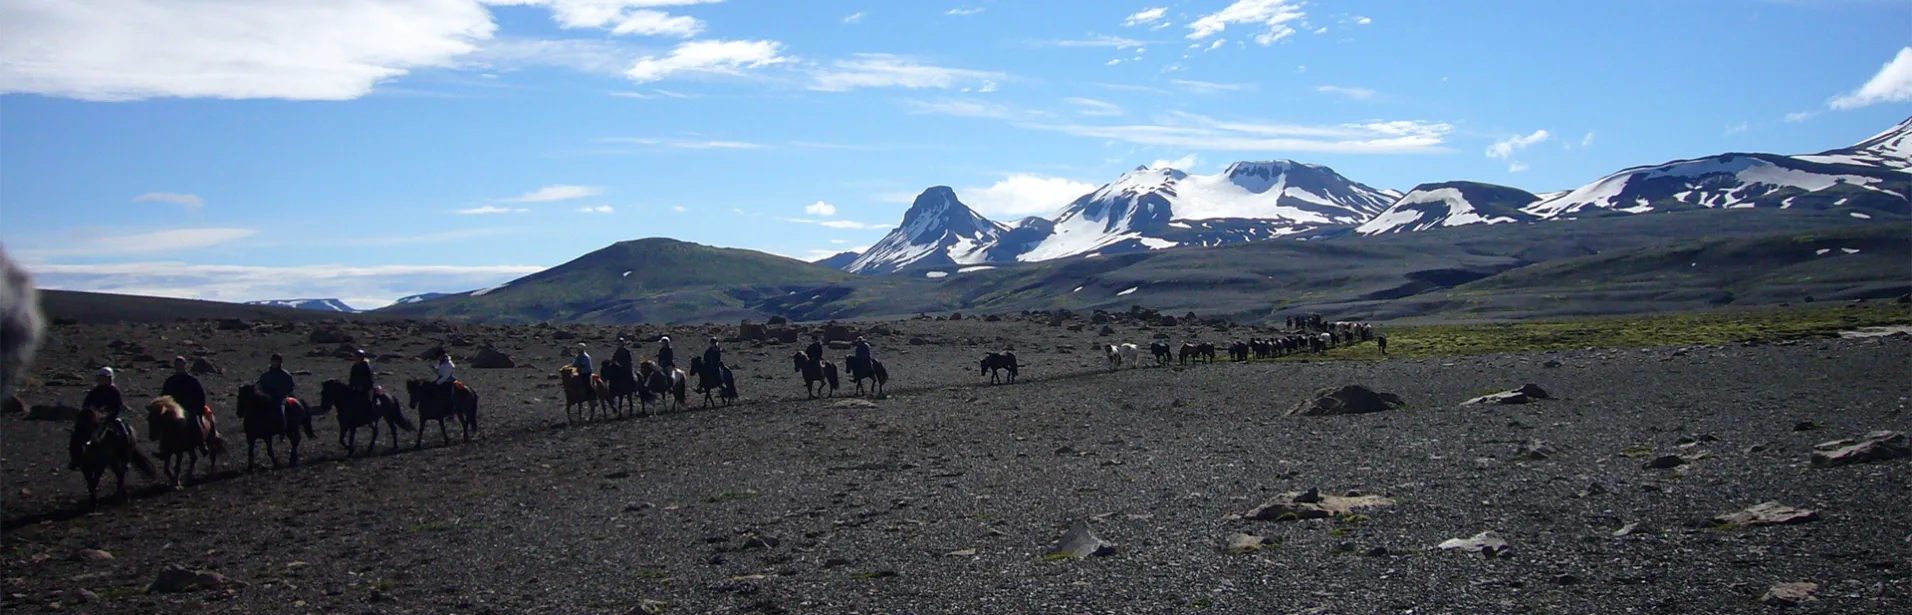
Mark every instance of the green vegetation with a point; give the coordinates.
(1636, 331)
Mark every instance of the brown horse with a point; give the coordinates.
(666, 383)
(264, 422)
(425, 398)
(183, 436)
(356, 411)
(621, 382)
(104, 448)
(817, 373)
(580, 393)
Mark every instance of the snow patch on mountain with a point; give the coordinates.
(938, 229)
(323, 305)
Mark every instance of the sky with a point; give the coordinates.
(369, 149)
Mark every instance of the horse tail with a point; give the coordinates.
(876, 369)
(140, 461)
(398, 416)
(830, 373)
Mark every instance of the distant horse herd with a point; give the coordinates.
(618, 391)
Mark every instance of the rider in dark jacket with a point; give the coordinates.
(623, 354)
(666, 358)
(362, 382)
(106, 398)
(863, 355)
(185, 389)
(714, 359)
(815, 351)
(277, 385)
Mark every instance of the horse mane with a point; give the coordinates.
(165, 406)
(567, 372)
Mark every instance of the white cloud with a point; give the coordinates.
(1195, 132)
(1185, 163)
(839, 241)
(1208, 87)
(971, 108)
(620, 16)
(559, 192)
(1587, 141)
(1100, 40)
(1505, 148)
(1146, 16)
(678, 208)
(1112, 62)
(425, 238)
(685, 143)
(846, 224)
(1516, 167)
(1025, 194)
(1321, 30)
(708, 57)
(1363, 21)
(963, 12)
(490, 209)
(1350, 92)
(288, 49)
(820, 208)
(1800, 116)
(1893, 83)
(191, 202)
(1272, 14)
(358, 286)
(1095, 108)
(879, 70)
(88, 242)
(853, 17)
(596, 57)
(600, 209)
(1738, 128)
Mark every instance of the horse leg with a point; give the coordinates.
(273, 455)
(252, 449)
(92, 486)
(119, 479)
(418, 442)
(442, 434)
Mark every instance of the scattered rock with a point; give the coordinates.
(1079, 542)
(852, 404)
(1626, 530)
(175, 579)
(332, 335)
(202, 367)
(1805, 426)
(92, 555)
(233, 324)
(1487, 544)
(1350, 399)
(648, 607)
(1535, 450)
(1105, 330)
(1311, 505)
(12, 405)
(1566, 579)
(563, 335)
(1787, 594)
(1241, 543)
(1875, 446)
(1524, 394)
(917, 341)
(1551, 363)
(1767, 513)
(1665, 462)
(490, 358)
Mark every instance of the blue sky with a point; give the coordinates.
(238, 150)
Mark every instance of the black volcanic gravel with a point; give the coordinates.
(946, 496)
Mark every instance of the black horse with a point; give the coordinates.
(263, 422)
(1161, 353)
(428, 400)
(621, 381)
(102, 447)
(719, 381)
(873, 372)
(996, 362)
(356, 411)
(816, 373)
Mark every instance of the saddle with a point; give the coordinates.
(459, 386)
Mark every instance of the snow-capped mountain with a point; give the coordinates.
(410, 299)
(1430, 206)
(1149, 208)
(326, 305)
(1891, 149)
(938, 229)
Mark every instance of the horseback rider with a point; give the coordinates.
(666, 358)
(623, 354)
(863, 355)
(582, 362)
(277, 385)
(106, 398)
(446, 379)
(362, 382)
(815, 351)
(185, 389)
(714, 360)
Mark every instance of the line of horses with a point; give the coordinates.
(1340, 334)
(819, 372)
(620, 390)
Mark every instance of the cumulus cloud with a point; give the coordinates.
(1025, 194)
(708, 57)
(113, 50)
(620, 16)
(1505, 148)
(358, 286)
(1273, 15)
(191, 202)
(1196, 132)
(1184, 163)
(559, 192)
(1146, 16)
(820, 208)
(1354, 93)
(1893, 83)
(882, 70)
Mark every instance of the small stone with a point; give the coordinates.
(1566, 579)
(92, 555)
(1241, 543)
(87, 595)
(1377, 552)
(1079, 542)
(1626, 530)
(1665, 462)
(1768, 513)
(961, 553)
(1487, 543)
(1805, 426)
(1790, 593)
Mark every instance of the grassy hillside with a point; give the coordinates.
(93, 308)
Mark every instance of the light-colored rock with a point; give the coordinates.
(92, 555)
(1768, 513)
(1312, 505)
(1524, 394)
(1790, 593)
(1875, 446)
(1079, 542)
(1241, 543)
(1487, 543)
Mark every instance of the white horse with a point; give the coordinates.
(1114, 355)
(1125, 354)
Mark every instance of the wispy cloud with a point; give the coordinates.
(708, 58)
(1350, 92)
(489, 209)
(678, 208)
(970, 108)
(1185, 163)
(1100, 40)
(820, 208)
(1025, 194)
(1273, 15)
(621, 16)
(591, 56)
(1800, 116)
(1893, 83)
(358, 286)
(598, 209)
(1095, 108)
(558, 192)
(653, 94)
(1587, 141)
(685, 143)
(853, 17)
(425, 238)
(1738, 128)
(882, 70)
(1516, 167)
(1146, 16)
(1505, 148)
(1194, 132)
(838, 224)
(1209, 87)
(92, 242)
(191, 202)
(963, 12)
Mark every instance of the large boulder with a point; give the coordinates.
(785, 335)
(834, 332)
(1875, 446)
(752, 332)
(233, 324)
(1311, 504)
(330, 335)
(202, 367)
(175, 579)
(1524, 394)
(1349, 399)
(1767, 513)
(1079, 543)
(490, 358)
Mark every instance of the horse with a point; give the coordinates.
(996, 362)
(1382, 341)
(424, 397)
(1161, 353)
(1238, 351)
(621, 382)
(719, 381)
(1114, 356)
(817, 372)
(182, 436)
(664, 383)
(874, 372)
(356, 411)
(1188, 349)
(263, 422)
(579, 392)
(1206, 351)
(105, 448)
